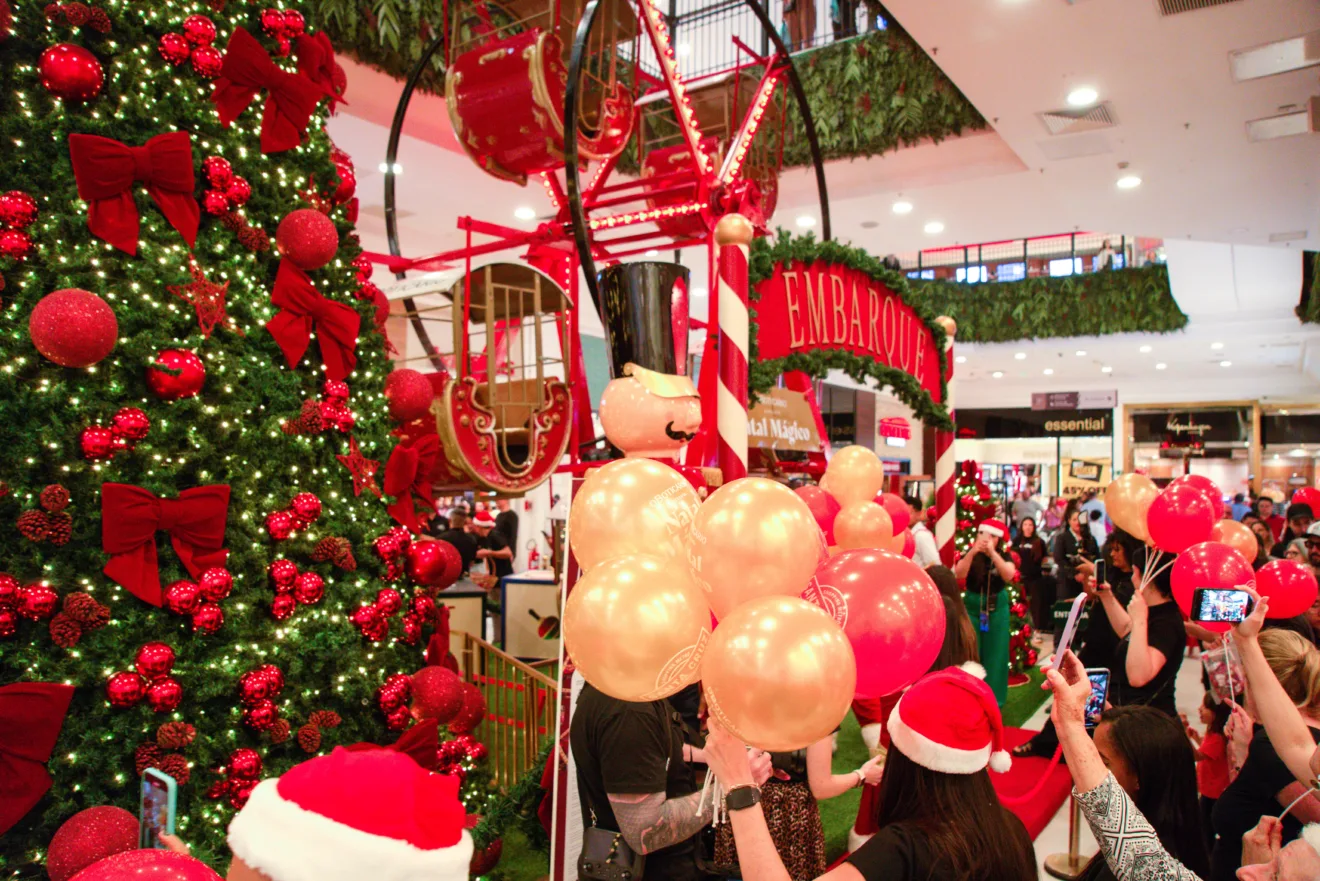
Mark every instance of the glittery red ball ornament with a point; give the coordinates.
(71, 72)
(283, 606)
(239, 191)
(174, 48)
(164, 695)
(336, 390)
(73, 327)
(409, 394)
(96, 443)
(15, 244)
(261, 715)
(89, 836)
(390, 699)
(364, 614)
(8, 622)
(244, 764)
(253, 688)
(10, 591)
(207, 61)
(280, 525)
(478, 752)
(306, 506)
(347, 186)
(218, 171)
(377, 630)
(17, 209)
(199, 30)
(274, 675)
(215, 202)
(309, 588)
(387, 546)
(282, 573)
(125, 689)
(437, 693)
(473, 712)
(154, 660)
(272, 22)
(307, 239)
(412, 630)
(433, 563)
(131, 423)
(423, 607)
(398, 719)
(216, 583)
(182, 597)
(185, 377)
(294, 23)
(239, 793)
(208, 618)
(388, 601)
(38, 602)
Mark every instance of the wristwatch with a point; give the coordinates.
(740, 798)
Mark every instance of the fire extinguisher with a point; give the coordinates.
(533, 555)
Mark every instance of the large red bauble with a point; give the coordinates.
(889, 609)
(434, 563)
(10, 591)
(73, 327)
(17, 209)
(347, 183)
(423, 607)
(274, 675)
(261, 715)
(283, 574)
(412, 629)
(824, 507)
(165, 694)
(88, 836)
(898, 510)
(309, 588)
(148, 865)
(280, 525)
(15, 244)
(239, 191)
(1288, 585)
(199, 30)
(125, 689)
(437, 694)
(174, 48)
(38, 602)
(245, 764)
(307, 239)
(1179, 517)
(96, 443)
(389, 601)
(182, 597)
(1209, 564)
(216, 583)
(71, 72)
(187, 376)
(154, 660)
(473, 712)
(306, 506)
(1207, 486)
(207, 62)
(283, 606)
(253, 688)
(131, 423)
(8, 622)
(409, 394)
(208, 618)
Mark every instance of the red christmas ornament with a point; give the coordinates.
(306, 506)
(10, 591)
(409, 394)
(185, 377)
(274, 675)
(307, 239)
(8, 622)
(174, 48)
(294, 23)
(412, 630)
(71, 72)
(244, 764)
(38, 602)
(207, 62)
(216, 583)
(336, 390)
(347, 183)
(478, 752)
(208, 618)
(131, 424)
(96, 443)
(73, 327)
(473, 712)
(164, 695)
(88, 836)
(398, 719)
(433, 563)
(388, 601)
(390, 699)
(239, 191)
(199, 30)
(280, 525)
(309, 588)
(215, 202)
(15, 244)
(261, 715)
(253, 688)
(282, 575)
(239, 793)
(437, 693)
(283, 606)
(17, 209)
(154, 660)
(387, 546)
(125, 689)
(182, 597)
(423, 607)
(219, 173)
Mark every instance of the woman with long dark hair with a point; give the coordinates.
(1073, 546)
(1031, 553)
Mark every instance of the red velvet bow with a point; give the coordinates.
(419, 743)
(408, 472)
(316, 61)
(106, 170)
(302, 308)
(31, 716)
(291, 98)
(130, 517)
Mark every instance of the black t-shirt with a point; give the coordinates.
(1031, 551)
(1099, 642)
(901, 853)
(983, 577)
(495, 541)
(506, 522)
(464, 543)
(1249, 797)
(1164, 632)
(631, 749)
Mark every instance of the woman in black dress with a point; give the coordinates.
(1030, 549)
(1072, 546)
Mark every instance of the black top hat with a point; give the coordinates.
(644, 310)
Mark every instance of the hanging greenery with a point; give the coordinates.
(1308, 310)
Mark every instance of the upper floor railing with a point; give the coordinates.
(1038, 257)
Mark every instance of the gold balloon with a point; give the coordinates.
(779, 673)
(855, 474)
(753, 538)
(636, 626)
(1127, 499)
(864, 525)
(899, 541)
(631, 506)
(1237, 536)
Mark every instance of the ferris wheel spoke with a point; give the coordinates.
(756, 110)
(658, 34)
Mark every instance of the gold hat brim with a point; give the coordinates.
(662, 385)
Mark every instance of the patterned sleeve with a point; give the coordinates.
(1130, 845)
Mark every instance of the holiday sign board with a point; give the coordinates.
(782, 420)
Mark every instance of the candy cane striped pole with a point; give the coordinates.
(733, 239)
(946, 494)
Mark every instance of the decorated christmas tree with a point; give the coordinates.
(200, 570)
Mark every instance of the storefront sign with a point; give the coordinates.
(823, 307)
(1107, 400)
(1189, 428)
(1081, 476)
(895, 431)
(1019, 422)
(782, 420)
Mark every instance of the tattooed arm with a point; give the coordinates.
(652, 822)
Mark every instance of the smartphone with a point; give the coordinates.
(1065, 642)
(1095, 704)
(160, 796)
(1215, 604)
(1100, 577)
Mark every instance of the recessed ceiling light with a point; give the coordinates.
(1128, 182)
(1283, 412)
(1225, 363)
(934, 227)
(1216, 346)
(1049, 371)
(962, 359)
(1081, 353)
(901, 207)
(998, 374)
(1020, 356)
(652, 252)
(1298, 452)
(1106, 369)
(522, 212)
(806, 220)
(1082, 96)
(1145, 350)
(1161, 366)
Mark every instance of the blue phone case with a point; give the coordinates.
(157, 807)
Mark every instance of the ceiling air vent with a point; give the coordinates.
(1173, 7)
(1070, 121)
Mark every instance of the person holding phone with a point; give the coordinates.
(985, 573)
(1111, 587)
(1074, 546)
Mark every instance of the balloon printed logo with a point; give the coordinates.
(830, 599)
(697, 544)
(673, 512)
(679, 670)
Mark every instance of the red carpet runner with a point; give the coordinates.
(1025, 774)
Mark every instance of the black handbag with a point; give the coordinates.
(607, 857)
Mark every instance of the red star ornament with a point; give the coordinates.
(208, 298)
(363, 469)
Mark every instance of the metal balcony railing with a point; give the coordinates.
(1037, 257)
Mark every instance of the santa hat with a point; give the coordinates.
(483, 518)
(949, 722)
(994, 527)
(352, 815)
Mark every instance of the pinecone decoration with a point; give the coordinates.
(177, 767)
(4, 487)
(64, 631)
(81, 607)
(59, 528)
(32, 525)
(54, 498)
(233, 221)
(99, 21)
(146, 756)
(325, 719)
(175, 735)
(279, 732)
(309, 421)
(76, 14)
(335, 550)
(99, 617)
(309, 738)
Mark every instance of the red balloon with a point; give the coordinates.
(890, 611)
(1214, 565)
(909, 544)
(148, 865)
(1288, 585)
(1180, 517)
(1309, 496)
(824, 507)
(88, 836)
(897, 508)
(1205, 485)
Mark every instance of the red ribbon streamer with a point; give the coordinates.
(408, 472)
(302, 309)
(106, 170)
(316, 61)
(31, 716)
(130, 518)
(291, 98)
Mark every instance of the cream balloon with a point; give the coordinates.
(863, 525)
(637, 627)
(631, 506)
(753, 538)
(855, 474)
(1127, 500)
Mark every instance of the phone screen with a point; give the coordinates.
(1065, 642)
(1211, 604)
(1095, 704)
(156, 815)
(1100, 576)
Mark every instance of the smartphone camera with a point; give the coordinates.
(1221, 606)
(1095, 704)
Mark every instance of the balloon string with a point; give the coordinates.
(712, 789)
(1040, 784)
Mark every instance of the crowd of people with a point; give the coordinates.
(481, 537)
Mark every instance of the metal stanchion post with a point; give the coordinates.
(1069, 866)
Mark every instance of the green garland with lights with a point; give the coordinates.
(805, 249)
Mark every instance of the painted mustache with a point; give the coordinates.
(678, 435)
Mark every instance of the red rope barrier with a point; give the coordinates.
(1040, 784)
